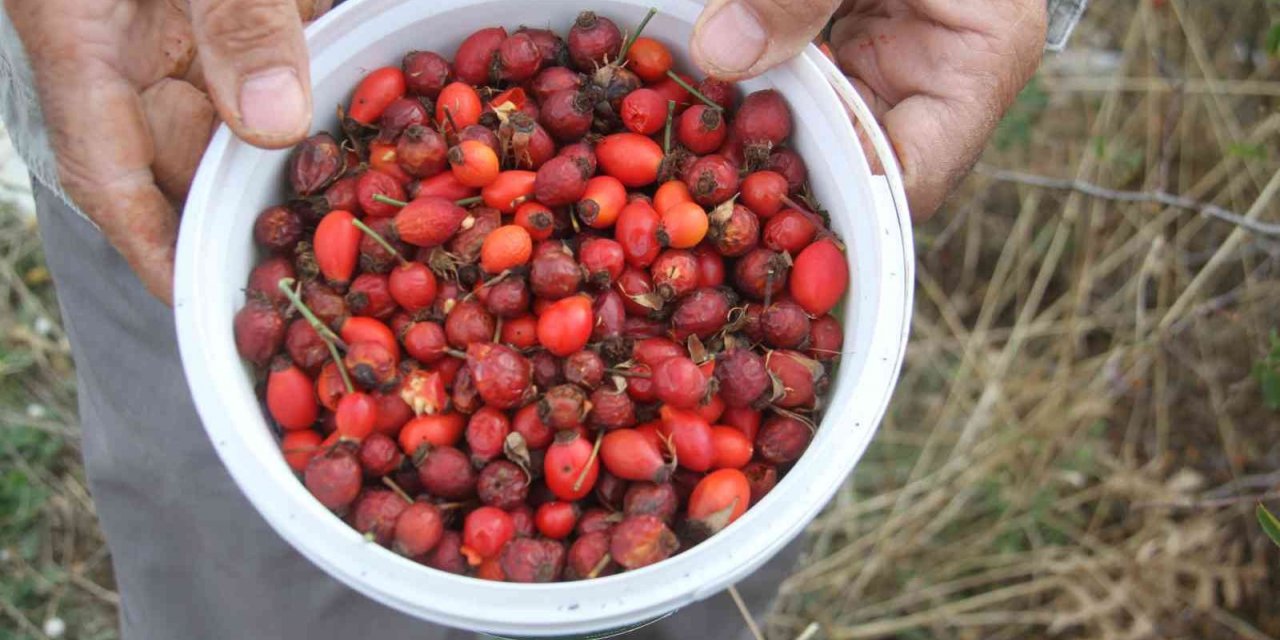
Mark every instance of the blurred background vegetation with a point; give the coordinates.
(1088, 417)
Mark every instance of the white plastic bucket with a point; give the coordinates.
(216, 252)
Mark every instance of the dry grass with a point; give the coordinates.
(54, 568)
(1076, 444)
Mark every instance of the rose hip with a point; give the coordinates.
(790, 231)
(819, 277)
(650, 499)
(418, 529)
(428, 221)
(507, 298)
(546, 370)
(259, 331)
(637, 232)
(674, 273)
(334, 479)
(718, 499)
(566, 114)
(553, 79)
(379, 455)
(762, 273)
(701, 313)
(631, 456)
(761, 477)
(502, 484)
(560, 181)
(425, 73)
(278, 229)
(314, 163)
(485, 531)
(556, 520)
(610, 311)
(531, 560)
(639, 541)
(596, 520)
(589, 557)
(370, 296)
(446, 472)
(304, 346)
(299, 447)
(571, 466)
(518, 58)
(763, 119)
(701, 129)
(447, 554)
(631, 158)
(763, 191)
(712, 179)
(743, 378)
(535, 433)
(734, 230)
(584, 368)
(784, 325)
(679, 383)
(782, 439)
(790, 165)
(468, 322)
(826, 338)
(501, 374)
(486, 434)
(565, 326)
(563, 406)
(593, 40)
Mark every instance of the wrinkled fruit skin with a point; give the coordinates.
(639, 541)
(531, 560)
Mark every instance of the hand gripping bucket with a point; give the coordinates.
(216, 252)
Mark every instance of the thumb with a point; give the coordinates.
(254, 62)
(736, 39)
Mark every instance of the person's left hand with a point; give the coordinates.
(937, 74)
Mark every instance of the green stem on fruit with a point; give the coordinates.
(497, 330)
(286, 287)
(378, 197)
(626, 48)
(391, 484)
(377, 237)
(666, 134)
(330, 339)
(697, 94)
(455, 353)
(342, 367)
(466, 202)
(595, 452)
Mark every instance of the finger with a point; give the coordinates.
(254, 63)
(186, 117)
(736, 39)
(937, 143)
(104, 165)
(309, 10)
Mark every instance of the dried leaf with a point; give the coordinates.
(697, 351)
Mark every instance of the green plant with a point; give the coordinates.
(1270, 525)
(1267, 371)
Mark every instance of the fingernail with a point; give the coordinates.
(732, 39)
(272, 102)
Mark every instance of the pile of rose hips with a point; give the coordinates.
(549, 311)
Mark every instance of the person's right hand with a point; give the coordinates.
(131, 91)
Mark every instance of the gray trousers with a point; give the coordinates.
(192, 558)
